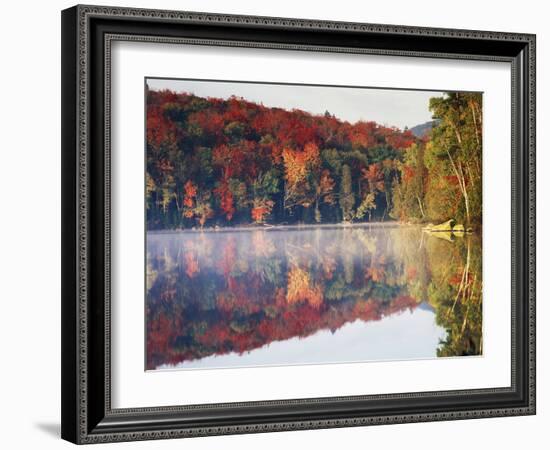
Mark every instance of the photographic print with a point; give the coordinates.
(292, 224)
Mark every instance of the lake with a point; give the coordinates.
(310, 295)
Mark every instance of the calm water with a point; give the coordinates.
(316, 295)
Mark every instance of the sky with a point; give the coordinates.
(390, 107)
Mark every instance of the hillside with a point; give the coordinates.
(423, 130)
(230, 162)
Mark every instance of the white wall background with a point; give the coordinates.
(30, 223)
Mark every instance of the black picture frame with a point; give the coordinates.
(87, 415)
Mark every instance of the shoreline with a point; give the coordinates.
(388, 224)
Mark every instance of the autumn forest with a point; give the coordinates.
(279, 236)
(215, 162)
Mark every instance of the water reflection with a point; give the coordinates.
(233, 293)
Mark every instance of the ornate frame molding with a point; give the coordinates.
(80, 418)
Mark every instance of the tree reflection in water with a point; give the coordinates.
(218, 292)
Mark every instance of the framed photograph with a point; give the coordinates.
(279, 224)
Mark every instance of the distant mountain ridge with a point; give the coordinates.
(423, 129)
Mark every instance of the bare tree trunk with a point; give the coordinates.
(465, 193)
(457, 132)
(461, 178)
(178, 207)
(462, 184)
(477, 131)
(317, 211)
(420, 205)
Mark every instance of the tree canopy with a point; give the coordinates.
(215, 162)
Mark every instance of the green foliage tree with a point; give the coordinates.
(440, 178)
(409, 194)
(457, 139)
